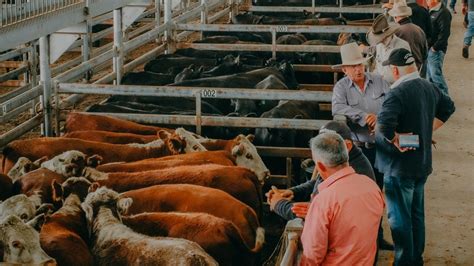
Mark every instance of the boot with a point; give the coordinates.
(465, 51)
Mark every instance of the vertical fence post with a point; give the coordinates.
(274, 43)
(86, 48)
(33, 79)
(203, 15)
(289, 171)
(170, 45)
(157, 17)
(45, 77)
(118, 45)
(198, 113)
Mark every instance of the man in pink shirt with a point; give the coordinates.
(342, 221)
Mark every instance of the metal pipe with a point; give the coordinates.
(45, 77)
(157, 17)
(362, 9)
(261, 47)
(21, 99)
(217, 93)
(13, 73)
(277, 28)
(14, 93)
(86, 47)
(20, 130)
(118, 45)
(168, 34)
(198, 114)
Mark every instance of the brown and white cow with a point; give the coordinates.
(116, 244)
(83, 121)
(237, 181)
(5, 187)
(196, 158)
(36, 148)
(111, 137)
(192, 198)
(19, 242)
(243, 150)
(18, 205)
(65, 236)
(218, 237)
(38, 182)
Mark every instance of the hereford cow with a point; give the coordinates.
(237, 181)
(192, 198)
(20, 206)
(243, 150)
(111, 137)
(196, 158)
(219, 237)
(38, 182)
(116, 244)
(36, 148)
(5, 187)
(82, 121)
(20, 242)
(64, 235)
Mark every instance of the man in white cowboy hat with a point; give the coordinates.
(359, 97)
(382, 42)
(411, 33)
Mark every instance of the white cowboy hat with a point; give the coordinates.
(351, 55)
(400, 9)
(380, 30)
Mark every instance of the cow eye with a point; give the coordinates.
(249, 156)
(24, 216)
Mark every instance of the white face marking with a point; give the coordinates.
(67, 164)
(21, 167)
(19, 205)
(247, 156)
(192, 144)
(154, 144)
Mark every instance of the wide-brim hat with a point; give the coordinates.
(351, 55)
(400, 9)
(380, 30)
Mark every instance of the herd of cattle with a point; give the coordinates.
(114, 192)
(248, 70)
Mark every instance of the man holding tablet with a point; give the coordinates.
(411, 111)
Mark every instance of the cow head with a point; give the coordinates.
(191, 143)
(74, 185)
(21, 167)
(21, 243)
(18, 205)
(67, 164)
(104, 197)
(286, 69)
(189, 73)
(246, 155)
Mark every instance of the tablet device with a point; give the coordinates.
(409, 141)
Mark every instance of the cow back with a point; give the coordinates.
(111, 137)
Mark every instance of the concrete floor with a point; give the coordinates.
(449, 191)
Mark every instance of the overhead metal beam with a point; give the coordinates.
(261, 47)
(270, 28)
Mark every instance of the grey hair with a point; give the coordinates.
(404, 70)
(330, 149)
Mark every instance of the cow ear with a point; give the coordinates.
(38, 162)
(45, 208)
(94, 160)
(251, 137)
(57, 190)
(298, 117)
(162, 134)
(123, 204)
(237, 60)
(37, 222)
(175, 145)
(93, 187)
(251, 115)
(88, 212)
(238, 150)
(201, 69)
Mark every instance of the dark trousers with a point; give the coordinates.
(406, 216)
(370, 154)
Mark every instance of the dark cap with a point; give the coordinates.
(338, 127)
(399, 57)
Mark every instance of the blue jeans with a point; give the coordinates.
(470, 29)
(435, 70)
(406, 216)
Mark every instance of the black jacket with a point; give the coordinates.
(409, 108)
(441, 22)
(303, 192)
(415, 36)
(421, 17)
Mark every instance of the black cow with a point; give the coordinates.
(147, 78)
(288, 137)
(174, 65)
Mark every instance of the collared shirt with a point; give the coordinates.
(350, 101)
(382, 52)
(342, 221)
(414, 75)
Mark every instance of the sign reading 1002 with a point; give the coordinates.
(208, 93)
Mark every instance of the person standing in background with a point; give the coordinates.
(468, 10)
(438, 43)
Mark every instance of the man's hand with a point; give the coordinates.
(371, 120)
(464, 9)
(300, 209)
(275, 195)
(433, 49)
(396, 141)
